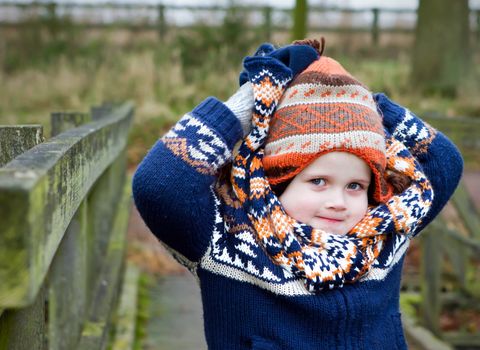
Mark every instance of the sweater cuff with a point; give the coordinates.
(391, 112)
(221, 119)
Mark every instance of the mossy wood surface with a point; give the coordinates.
(75, 181)
(41, 190)
(67, 297)
(14, 140)
(125, 321)
(103, 198)
(24, 328)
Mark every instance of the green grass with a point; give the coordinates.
(145, 283)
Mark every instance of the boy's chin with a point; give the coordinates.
(332, 230)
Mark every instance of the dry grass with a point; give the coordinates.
(161, 91)
(134, 66)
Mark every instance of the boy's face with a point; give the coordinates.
(330, 194)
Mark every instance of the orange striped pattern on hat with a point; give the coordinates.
(325, 109)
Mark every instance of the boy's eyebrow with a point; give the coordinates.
(321, 174)
(363, 181)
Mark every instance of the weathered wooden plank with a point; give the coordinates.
(95, 331)
(68, 272)
(41, 190)
(24, 329)
(21, 329)
(431, 277)
(470, 341)
(125, 321)
(472, 244)
(16, 139)
(68, 285)
(423, 339)
(467, 210)
(457, 251)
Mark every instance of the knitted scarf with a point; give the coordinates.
(321, 259)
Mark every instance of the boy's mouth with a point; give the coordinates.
(331, 220)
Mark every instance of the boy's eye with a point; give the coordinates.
(318, 182)
(355, 186)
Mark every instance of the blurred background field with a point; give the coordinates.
(50, 63)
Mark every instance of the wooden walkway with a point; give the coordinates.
(176, 315)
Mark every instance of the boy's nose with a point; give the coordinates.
(336, 200)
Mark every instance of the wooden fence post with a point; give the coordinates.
(53, 24)
(161, 24)
(98, 112)
(477, 13)
(62, 121)
(375, 27)
(14, 140)
(67, 295)
(267, 22)
(431, 273)
(300, 19)
(23, 329)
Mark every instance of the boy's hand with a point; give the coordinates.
(294, 57)
(241, 104)
(289, 59)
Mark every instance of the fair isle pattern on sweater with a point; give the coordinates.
(206, 153)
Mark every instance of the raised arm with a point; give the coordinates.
(172, 184)
(440, 159)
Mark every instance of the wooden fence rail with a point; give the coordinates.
(63, 214)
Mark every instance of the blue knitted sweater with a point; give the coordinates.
(249, 302)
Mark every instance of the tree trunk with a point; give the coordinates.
(299, 30)
(441, 52)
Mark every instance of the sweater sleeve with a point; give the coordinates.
(172, 185)
(440, 159)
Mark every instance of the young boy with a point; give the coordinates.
(319, 265)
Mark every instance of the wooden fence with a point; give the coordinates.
(64, 206)
(268, 18)
(450, 249)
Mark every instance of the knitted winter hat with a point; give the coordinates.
(325, 109)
